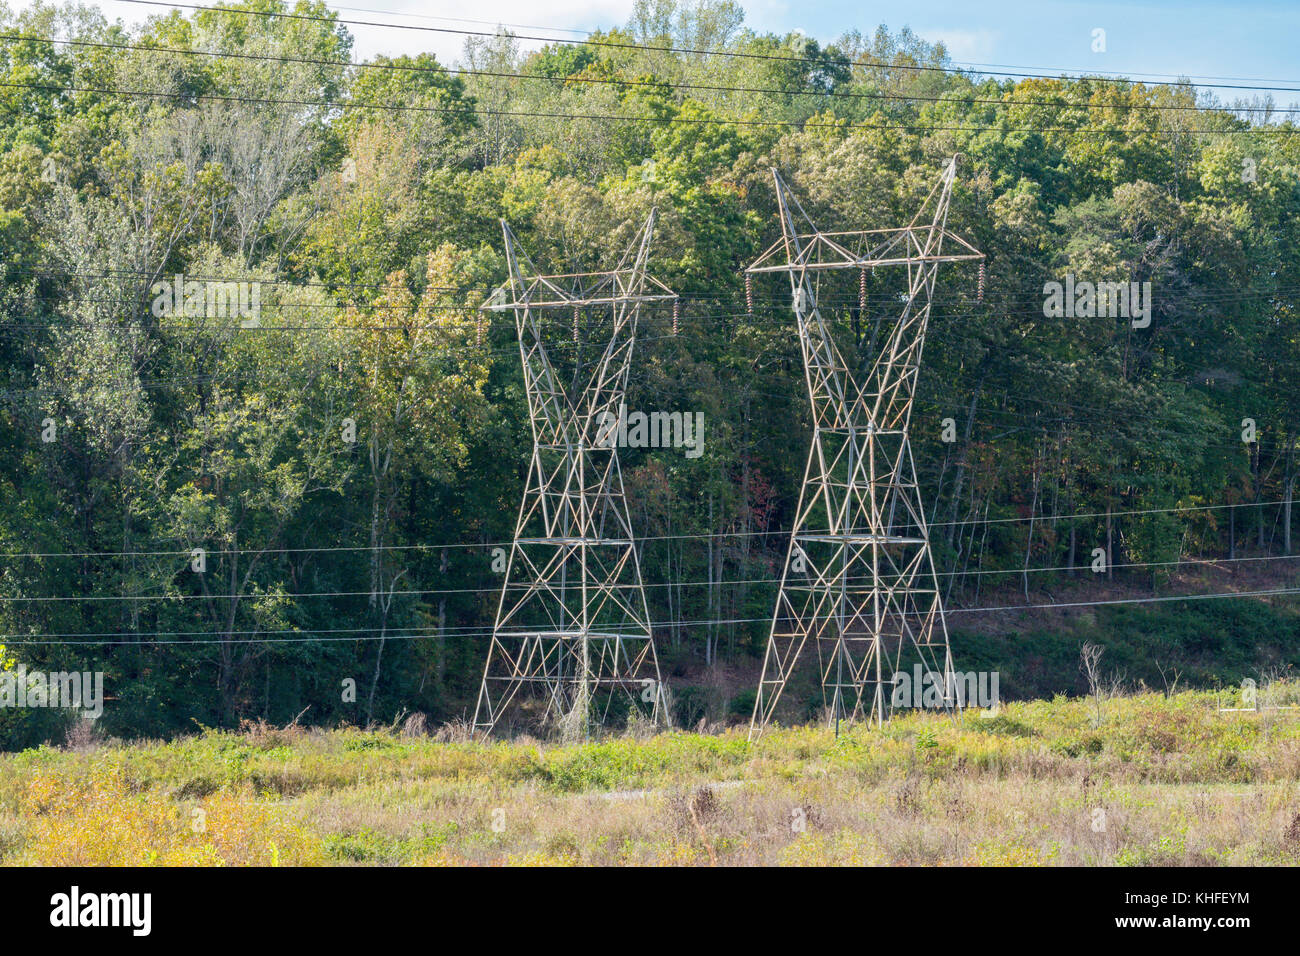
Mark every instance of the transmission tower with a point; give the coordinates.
(859, 579)
(572, 626)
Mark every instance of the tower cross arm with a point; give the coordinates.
(539, 292)
(881, 247)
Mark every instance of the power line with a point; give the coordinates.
(622, 45)
(718, 583)
(418, 633)
(456, 545)
(1028, 294)
(875, 95)
(486, 23)
(613, 118)
(1145, 600)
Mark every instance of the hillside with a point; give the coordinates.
(264, 450)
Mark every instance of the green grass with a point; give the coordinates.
(1175, 780)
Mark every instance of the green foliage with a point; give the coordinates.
(374, 235)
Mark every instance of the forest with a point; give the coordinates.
(259, 441)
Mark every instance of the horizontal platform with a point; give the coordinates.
(575, 542)
(636, 683)
(861, 263)
(572, 634)
(831, 250)
(858, 539)
(576, 303)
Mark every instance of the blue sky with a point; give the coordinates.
(1166, 38)
(1243, 39)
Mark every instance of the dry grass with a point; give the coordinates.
(1158, 781)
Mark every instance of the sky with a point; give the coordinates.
(1233, 42)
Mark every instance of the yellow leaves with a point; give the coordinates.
(680, 854)
(99, 820)
(844, 847)
(542, 858)
(1037, 88)
(992, 853)
(417, 365)
(441, 858)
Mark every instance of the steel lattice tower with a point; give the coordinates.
(572, 623)
(859, 579)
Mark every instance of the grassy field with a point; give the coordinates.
(1127, 780)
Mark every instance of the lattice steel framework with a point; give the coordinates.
(859, 578)
(572, 625)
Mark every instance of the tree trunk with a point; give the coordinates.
(1232, 532)
(1259, 511)
(709, 630)
(440, 666)
(1110, 541)
(1033, 511)
(961, 461)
